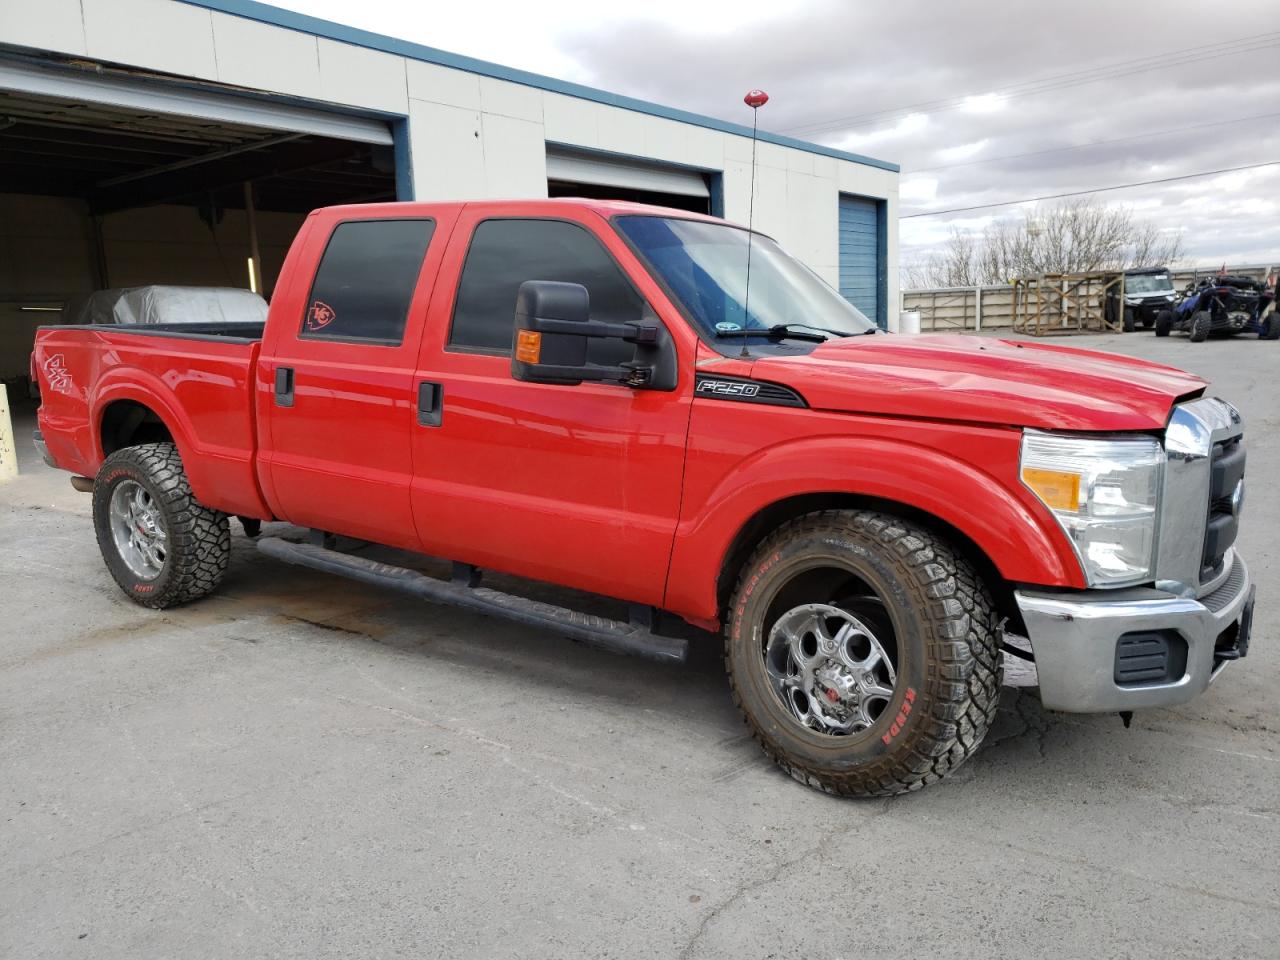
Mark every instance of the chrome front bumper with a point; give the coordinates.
(1074, 638)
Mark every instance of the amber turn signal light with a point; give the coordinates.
(529, 346)
(1058, 489)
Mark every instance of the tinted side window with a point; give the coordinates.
(365, 280)
(506, 253)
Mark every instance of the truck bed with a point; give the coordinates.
(197, 377)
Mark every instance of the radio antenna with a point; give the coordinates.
(755, 99)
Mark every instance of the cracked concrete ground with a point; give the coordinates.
(304, 767)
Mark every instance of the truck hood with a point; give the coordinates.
(982, 380)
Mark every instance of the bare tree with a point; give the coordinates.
(956, 265)
(1072, 237)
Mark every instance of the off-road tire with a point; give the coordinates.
(1270, 328)
(1201, 324)
(1164, 323)
(949, 669)
(199, 539)
(1127, 323)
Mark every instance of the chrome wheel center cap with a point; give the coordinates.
(829, 669)
(138, 530)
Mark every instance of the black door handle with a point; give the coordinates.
(430, 403)
(284, 386)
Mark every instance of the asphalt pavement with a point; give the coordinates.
(300, 766)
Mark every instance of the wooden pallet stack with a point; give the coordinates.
(1059, 304)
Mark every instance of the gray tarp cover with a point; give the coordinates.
(164, 304)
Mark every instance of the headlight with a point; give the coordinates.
(1133, 301)
(1105, 494)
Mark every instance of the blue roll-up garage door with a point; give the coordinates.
(861, 236)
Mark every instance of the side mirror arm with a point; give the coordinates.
(628, 374)
(631, 332)
(553, 327)
(633, 374)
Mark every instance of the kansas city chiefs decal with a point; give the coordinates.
(320, 315)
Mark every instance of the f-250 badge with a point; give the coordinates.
(728, 388)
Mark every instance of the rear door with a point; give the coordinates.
(576, 485)
(335, 383)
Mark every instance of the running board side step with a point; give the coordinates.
(593, 631)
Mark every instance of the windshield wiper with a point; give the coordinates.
(805, 330)
(779, 331)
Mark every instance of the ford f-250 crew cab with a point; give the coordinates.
(584, 393)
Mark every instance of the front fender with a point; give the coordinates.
(1009, 525)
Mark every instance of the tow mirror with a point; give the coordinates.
(553, 326)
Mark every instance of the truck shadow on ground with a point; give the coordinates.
(695, 693)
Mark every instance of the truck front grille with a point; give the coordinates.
(1198, 520)
(1223, 522)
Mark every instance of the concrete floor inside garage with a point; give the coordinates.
(300, 767)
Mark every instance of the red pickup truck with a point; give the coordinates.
(585, 393)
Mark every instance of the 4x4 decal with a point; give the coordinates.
(58, 376)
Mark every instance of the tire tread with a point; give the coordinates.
(966, 675)
(199, 537)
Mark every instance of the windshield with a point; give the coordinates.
(704, 266)
(1148, 283)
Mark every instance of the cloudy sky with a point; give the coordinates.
(978, 102)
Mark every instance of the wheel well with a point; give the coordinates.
(776, 514)
(127, 423)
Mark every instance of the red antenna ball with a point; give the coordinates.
(755, 99)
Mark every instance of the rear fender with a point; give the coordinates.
(149, 390)
(221, 479)
(1015, 532)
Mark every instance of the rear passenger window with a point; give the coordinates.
(365, 281)
(506, 253)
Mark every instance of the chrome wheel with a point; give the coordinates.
(138, 530)
(829, 669)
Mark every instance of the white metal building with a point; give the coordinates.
(142, 140)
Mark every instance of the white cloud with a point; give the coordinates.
(909, 125)
(986, 103)
(918, 189)
(1232, 181)
(964, 151)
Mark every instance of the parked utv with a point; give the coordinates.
(1147, 291)
(1223, 306)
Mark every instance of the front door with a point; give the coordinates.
(335, 388)
(577, 485)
